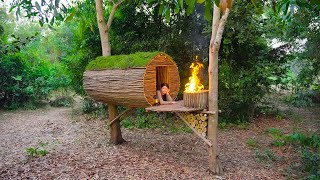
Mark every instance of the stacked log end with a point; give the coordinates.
(196, 99)
(198, 122)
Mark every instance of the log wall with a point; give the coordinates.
(120, 87)
(150, 86)
(133, 87)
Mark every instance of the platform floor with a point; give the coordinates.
(175, 107)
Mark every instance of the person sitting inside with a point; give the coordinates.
(163, 94)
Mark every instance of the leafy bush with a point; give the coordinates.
(94, 108)
(23, 81)
(62, 101)
(309, 146)
(301, 98)
(311, 163)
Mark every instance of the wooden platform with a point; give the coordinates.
(175, 107)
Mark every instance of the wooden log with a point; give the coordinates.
(194, 130)
(122, 115)
(197, 121)
(196, 99)
(132, 87)
(115, 131)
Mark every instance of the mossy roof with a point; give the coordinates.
(139, 59)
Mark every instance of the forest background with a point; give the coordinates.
(264, 52)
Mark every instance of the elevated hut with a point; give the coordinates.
(131, 80)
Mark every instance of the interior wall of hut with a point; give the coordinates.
(162, 76)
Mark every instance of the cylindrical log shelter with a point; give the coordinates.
(130, 80)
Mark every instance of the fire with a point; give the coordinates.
(194, 84)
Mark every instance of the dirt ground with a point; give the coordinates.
(79, 149)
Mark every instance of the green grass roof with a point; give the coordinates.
(139, 59)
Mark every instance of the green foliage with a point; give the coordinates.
(139, 59)
(278, 135)
(312, 141)
(23, 81)
(26, 76)
(252, 143)
(311, 163)
(299, 31)
(266, 156)
(308, 145)
(94, 108)
(37, 151)
(141, 121)
(245, 63)
(62, 101)
(164, 121)
(33, 152)
(33, 9)
(301, 99)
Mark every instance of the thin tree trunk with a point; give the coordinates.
(103, 29)
(217, 30)
(115, 131)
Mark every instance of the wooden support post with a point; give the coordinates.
(115, 131)
(206, 112)
(122, 116)
(194, 130)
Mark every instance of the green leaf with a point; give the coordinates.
(17, 78)
(188, 2)
(57, 3)
(207, 10)
(217, 2)
(18, 12)
(12, 7)
(41, 22)
(200, 1)
(38, 6)
(161, 9)
(70, 17)
(181, 4)
(55, 12)
(52, 21)
(51, 27)
(191, 6)
(226, 41)
(177, 8)
(168, 14)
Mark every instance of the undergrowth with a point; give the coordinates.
(308, 148)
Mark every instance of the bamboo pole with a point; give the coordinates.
(194, 130)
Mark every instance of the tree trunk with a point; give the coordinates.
(103, 29)
(216, 36)
(115, 131)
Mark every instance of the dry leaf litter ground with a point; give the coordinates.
(79, 149)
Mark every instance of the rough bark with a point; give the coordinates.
(196, 99)
(115, 130)
(217, 30)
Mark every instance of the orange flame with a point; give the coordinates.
(194, 84)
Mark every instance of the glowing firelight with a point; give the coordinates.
(194, 84)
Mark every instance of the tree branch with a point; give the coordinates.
(222, 24)
(215, 24)
(113, 11)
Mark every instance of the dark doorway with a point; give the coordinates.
(162, 76)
